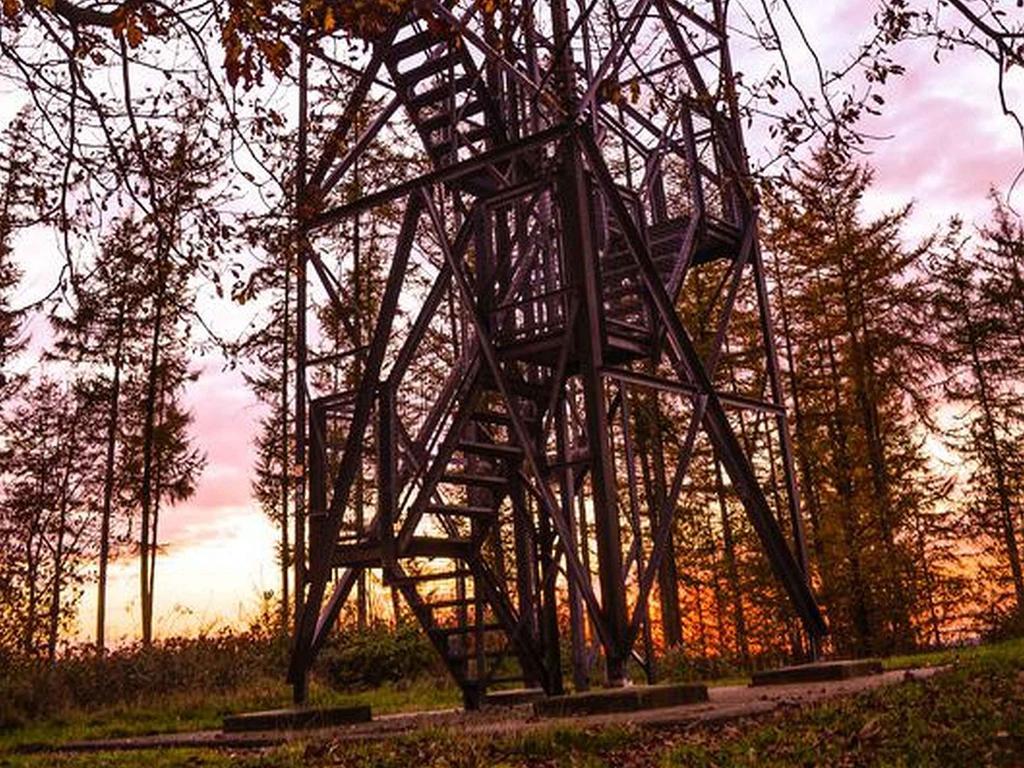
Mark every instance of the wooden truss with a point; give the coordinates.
(585, 170)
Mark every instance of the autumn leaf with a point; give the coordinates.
(11, 8)
(133, 34)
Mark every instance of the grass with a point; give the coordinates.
(969, 715)
(954, 655)
(972, 715)
(197, 710)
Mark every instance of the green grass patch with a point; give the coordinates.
(1007, 649)
(972, 715)
(197, 710)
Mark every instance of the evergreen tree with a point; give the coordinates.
(23, 200)
(47, 512)
(183, 233)
(104, 338)
(271, 349)
(853, 318)
(977, 340)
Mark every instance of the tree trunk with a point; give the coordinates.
(158, 474)
(69, 447)
(149, 426)
(731, 569)
(113, 417)
(285, 452)
(58, 578)
(668, 574)
(865, 390)
(860, 614)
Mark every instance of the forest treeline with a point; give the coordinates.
(903, 362)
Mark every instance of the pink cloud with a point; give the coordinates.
(226, 415)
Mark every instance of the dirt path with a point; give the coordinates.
(725, 703)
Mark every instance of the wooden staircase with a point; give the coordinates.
(438, 548)
(446, 98)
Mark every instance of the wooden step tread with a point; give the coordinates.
(463, 138)
(439, 546)
(369, 553)
(438, 92)
(429, 67)
(443, 119)
(416, 43)
(498, 450)
(487, 654)
(417, 578)
(479, 481)
(506, 679)
(460, 510)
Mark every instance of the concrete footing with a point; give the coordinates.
(513, 697)
(629, 699)
(818, 672)
(295, 719)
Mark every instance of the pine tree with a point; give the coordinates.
(271, 348)
(977, 343)
(182, 234)
(23, 200)
(47, 511)
(104, 338)
(853, 317)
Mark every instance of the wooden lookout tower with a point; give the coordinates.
(553, 345)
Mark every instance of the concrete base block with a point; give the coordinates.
(818, 672)
(629, 699)
(513, 697)
(295, 719)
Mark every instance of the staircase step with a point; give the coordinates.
(488, 654)
(497, 450)
(620, 264)
(443, 119)
(427, 68)
(364, 554)
(439, 546)
(494, 482)
(458, 510)
(368, 553)
(622, 289)
(625, 302)
(439, 92)
(526, 389)
(463, 139)
(506, 679)
(419, 578)
(413, 44)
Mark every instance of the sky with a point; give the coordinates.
(947, 145)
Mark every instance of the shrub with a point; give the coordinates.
(676, 665)
(379, 654)
(31, 688)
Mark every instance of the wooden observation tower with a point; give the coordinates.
(544, 368)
